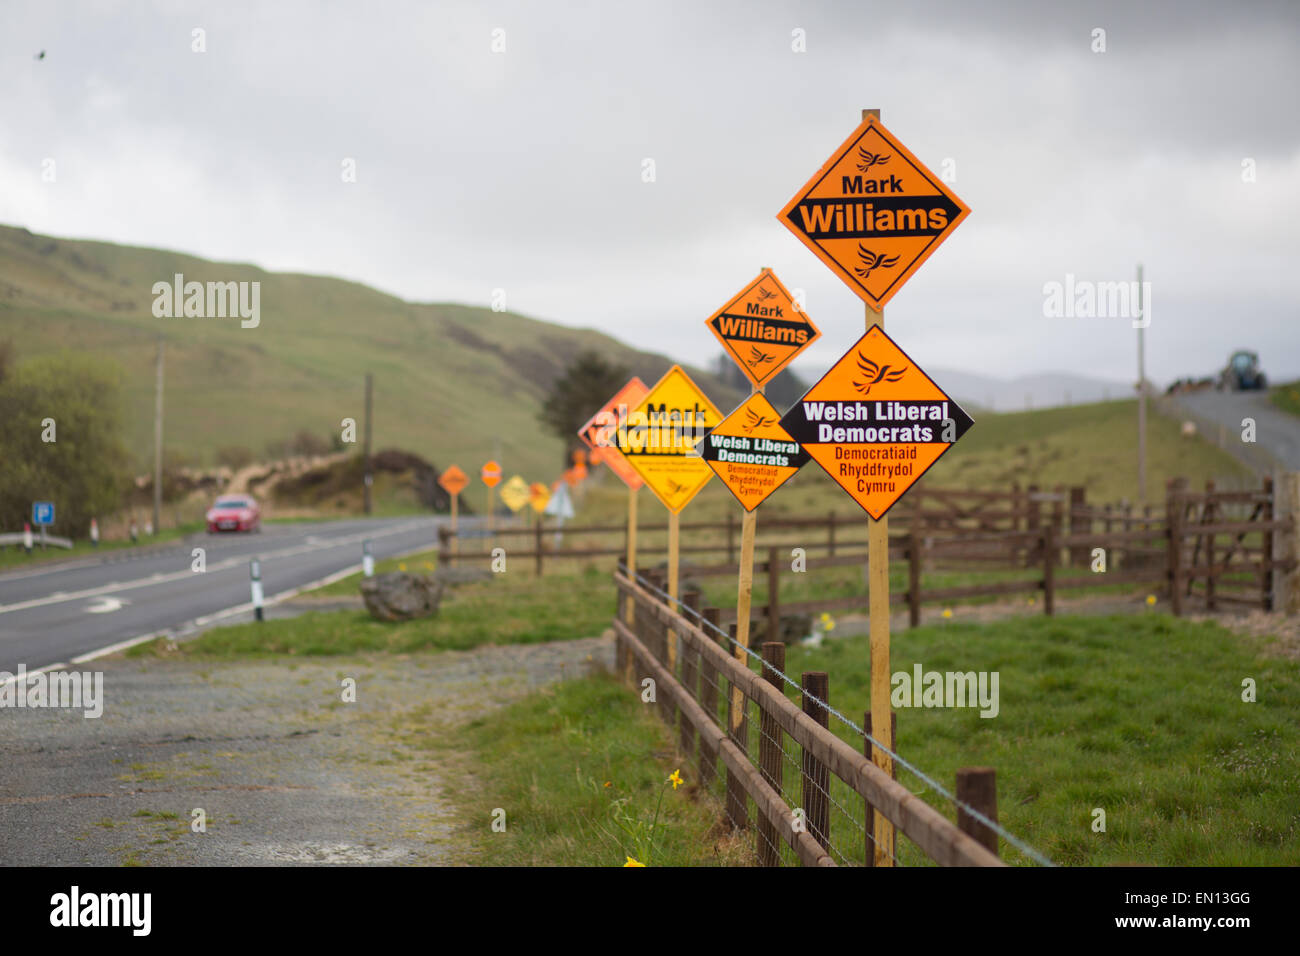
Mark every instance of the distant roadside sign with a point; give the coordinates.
(491, 474)
(538, 496)
(752, 453)
(763, 328)
(873, 213)
(453, 480)
(660, 437)
(42, 512)
(876, 422)
(515, 493)
(599, 431)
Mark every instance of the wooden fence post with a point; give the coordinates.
(740, 737)
(1033, 519)
(830, 534)
(1266, 551)
(770, 753)
(978, 788)
(914, 574)
(1286, 546)
(444, 547)
(815, 792)
(537, 545)
(1209, 514)
(731, 539)
(869, 818)
(1049, 569)
(773, 596)
(709, 696)
(1079, 523)
(686, 730)
(1174, 506)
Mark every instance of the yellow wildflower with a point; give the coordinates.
(632, 862)
(676, 779)
(1151, 600)
(947, 612)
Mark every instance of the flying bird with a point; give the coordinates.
(870, 159)
(754, 420)
(875, 374)
(764, 294)
(757, 357)
(872, 261)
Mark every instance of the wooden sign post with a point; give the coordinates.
(491, 475)
(453, 481)
(873, 213)
(763, 329)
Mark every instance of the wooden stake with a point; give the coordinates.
(878, 592)
(490, 522)
(674, 527)
(455, 540)
(631, 545)
(744, 595)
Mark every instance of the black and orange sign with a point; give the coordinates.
(873, 213)
(491, 474)
(876, 422)
(599, 431)
(453, 480)
(752, 453)
(763, 328)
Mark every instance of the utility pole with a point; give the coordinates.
(1142, 396)
(369, 480)
(157, 436)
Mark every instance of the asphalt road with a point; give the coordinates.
(55, 614)
(1277, 434)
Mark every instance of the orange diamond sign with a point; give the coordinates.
(491, 474)
(598, 432)
(763, 328)
(873, 213)
(752, 453)
(453, 480)
(876, 422)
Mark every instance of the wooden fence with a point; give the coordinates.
(1211, 548)
(705, 693)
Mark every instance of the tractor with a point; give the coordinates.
(1242, 373)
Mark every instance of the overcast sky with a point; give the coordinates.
(522, 169)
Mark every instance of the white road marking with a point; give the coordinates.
(106, 605)
(220, 566)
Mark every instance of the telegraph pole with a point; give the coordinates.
(157, 436)
(1142, 395)
(369, 479)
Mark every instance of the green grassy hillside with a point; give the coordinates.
(452, 383)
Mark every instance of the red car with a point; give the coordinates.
(234, 513)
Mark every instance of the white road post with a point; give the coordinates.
(367, 560)
(255, 572)
(27, 537)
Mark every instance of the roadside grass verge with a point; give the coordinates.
(546, 761)
(13, 556)
(1141, 716)
(1286, 397)
(506, 609)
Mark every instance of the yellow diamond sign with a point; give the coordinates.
(660, 436)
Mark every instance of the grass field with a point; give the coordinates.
(581, 768)
(1286, 397)
(1141, 716)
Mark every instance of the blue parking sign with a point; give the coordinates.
(42, 512)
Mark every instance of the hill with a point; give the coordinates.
(453, 383)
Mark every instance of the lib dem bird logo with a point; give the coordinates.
(872, 261)
(764, 294)
(754, 420)
(674, 488)
(875, 374)
(869, 159)
(759, 357)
